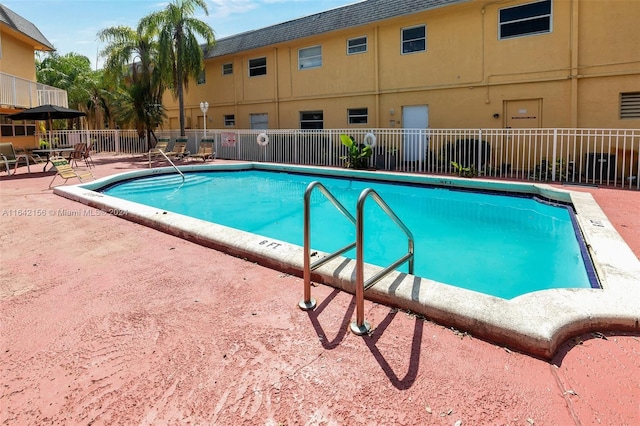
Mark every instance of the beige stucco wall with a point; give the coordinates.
(17, 57)
(466, 75)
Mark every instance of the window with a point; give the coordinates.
(202, 78)
(526, 19)
(257, 67)
(16, 127)
(356, 45)
(229, 120)
(414, 39)
(259, 121)
(227, 69)
(311, 57)
(630, 105)
(311, 120)
(358, 115)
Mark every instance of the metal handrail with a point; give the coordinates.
(360, 326)
(156, 151)
(308, 303)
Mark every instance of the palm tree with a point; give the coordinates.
(71, 72)
(132, 67)
(181, 56)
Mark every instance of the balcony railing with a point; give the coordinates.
(18, 92)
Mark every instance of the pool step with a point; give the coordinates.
(165, 182)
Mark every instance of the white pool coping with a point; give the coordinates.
(536, 323)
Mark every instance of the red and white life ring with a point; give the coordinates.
(370, 140)
(263, 139)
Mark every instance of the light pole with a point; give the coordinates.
(204, 107)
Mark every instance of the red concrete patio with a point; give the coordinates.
(104, 321)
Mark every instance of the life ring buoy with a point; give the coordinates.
(370, 140)
(263, 139)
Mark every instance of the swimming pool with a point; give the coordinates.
(537, 322)
(502, 245)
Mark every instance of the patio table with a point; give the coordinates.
(48, 152)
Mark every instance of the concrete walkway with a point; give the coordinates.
(104, 321)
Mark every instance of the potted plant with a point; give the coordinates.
(357, 154)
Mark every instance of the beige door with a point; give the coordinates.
(523, 114)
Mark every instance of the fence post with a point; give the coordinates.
(479, 150)
(554, 155)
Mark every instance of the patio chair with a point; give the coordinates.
(31, 157)
(66, 172)
(87, 155)
(205, 151)
(77, 153)
(9, 157)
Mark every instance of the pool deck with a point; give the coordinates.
(108, 322)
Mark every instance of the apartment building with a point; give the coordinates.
(428, 63)
(19, 40)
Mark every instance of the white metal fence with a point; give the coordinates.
(582, 156)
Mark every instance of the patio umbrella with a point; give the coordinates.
(47, 112)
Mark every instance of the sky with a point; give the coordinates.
(72, 25)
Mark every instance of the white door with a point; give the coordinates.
(415, 120)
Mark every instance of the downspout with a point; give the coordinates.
(235, 92)
(276, 89)
(376, 76)
(574, 62)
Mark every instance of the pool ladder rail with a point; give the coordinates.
(159, 151)
(359, 326)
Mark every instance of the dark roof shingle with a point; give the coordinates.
(18, 23)
(352, 15)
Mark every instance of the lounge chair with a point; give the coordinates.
(9, 157)
(205, 151)
(161, 146)
(179, 150)
(66, 172)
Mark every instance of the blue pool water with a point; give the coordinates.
(499, 245)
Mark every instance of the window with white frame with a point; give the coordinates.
(257, 66)
(229, 120)
(358, 115)
(310, 57)
(630, 105)
(202, 78)
(525, 19)
(414, 39)
(227, 69)
(259, 121)
(311, 120)
(356, 45)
